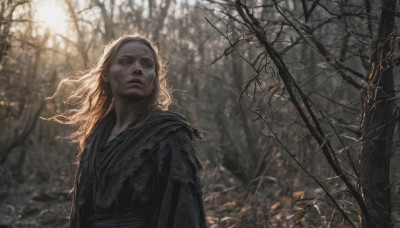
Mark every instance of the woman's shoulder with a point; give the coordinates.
(167, 115)
(173, 123)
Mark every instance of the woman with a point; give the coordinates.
(137, 162)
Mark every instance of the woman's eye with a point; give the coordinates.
(147, 63)
(124, 61)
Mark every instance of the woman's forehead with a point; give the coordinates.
(135, 48)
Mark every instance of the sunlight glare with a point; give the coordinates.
(51, 15)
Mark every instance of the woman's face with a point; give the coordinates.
(132, 72)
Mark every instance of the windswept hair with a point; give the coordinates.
(91, 99)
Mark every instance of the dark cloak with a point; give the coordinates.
(147, 177)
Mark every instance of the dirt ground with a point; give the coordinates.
(228, 204)
(37, 203)
(33, 205)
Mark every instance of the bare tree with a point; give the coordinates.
(307, 28)
(24, 80)
(379, 116)
(18, 113)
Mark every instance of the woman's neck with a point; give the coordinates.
(125, 113)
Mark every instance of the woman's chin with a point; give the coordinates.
(133, 96)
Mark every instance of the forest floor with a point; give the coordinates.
(36, 203)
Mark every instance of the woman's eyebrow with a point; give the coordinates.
(126, 56)
(132, 56)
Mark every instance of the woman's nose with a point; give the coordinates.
(136, 68)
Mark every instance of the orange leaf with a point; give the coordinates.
(211, 220)
(297, 208)
(298, 195)
(276, 206)
(226, 218)
(279, 216)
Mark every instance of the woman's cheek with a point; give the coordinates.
(118, 76)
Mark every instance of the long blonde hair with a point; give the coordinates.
(91, 96)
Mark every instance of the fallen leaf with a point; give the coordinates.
(298, 195)
(276, 206)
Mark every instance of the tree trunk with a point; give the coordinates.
(108, 18)
(377, 125)
(160, 20)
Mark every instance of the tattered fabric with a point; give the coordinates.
(146, 177)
